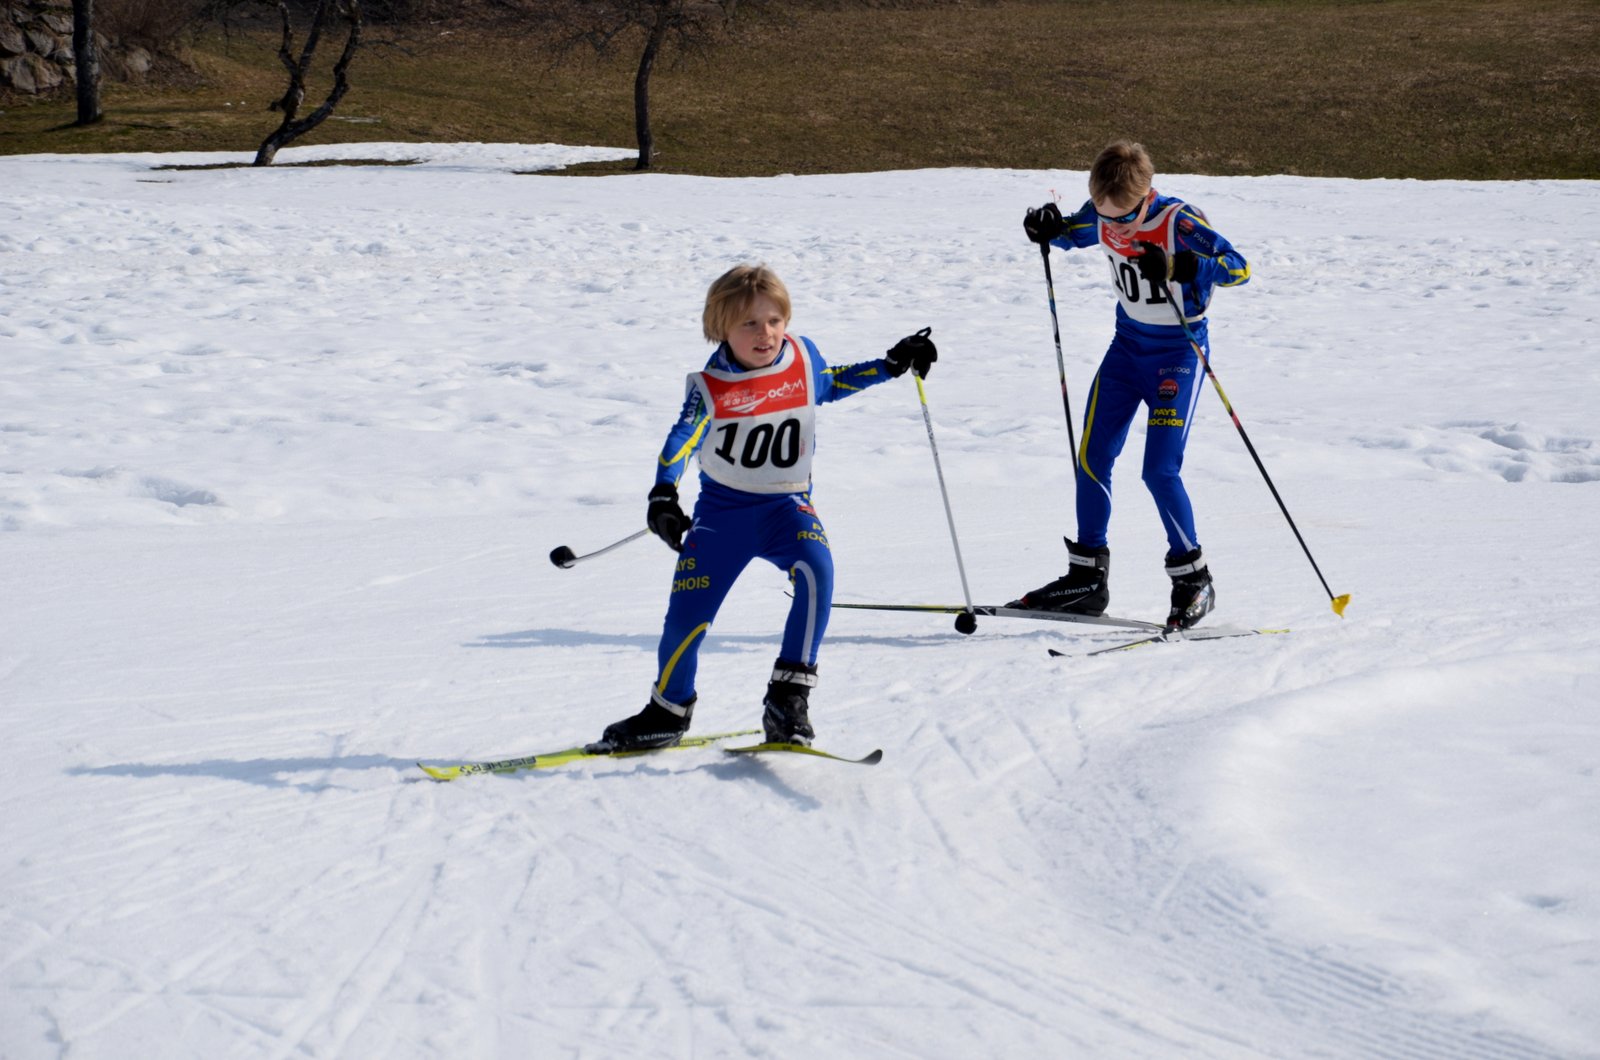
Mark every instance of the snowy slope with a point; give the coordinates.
(282, 455)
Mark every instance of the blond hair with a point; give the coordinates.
(1122, 172)
(732, 293)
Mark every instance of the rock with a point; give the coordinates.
(41, 41)
(46, 74)
(18, 75)
(36, 49)
(137, 62)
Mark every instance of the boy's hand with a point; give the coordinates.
(1043, 223)
(665, 519)
(1153, 264)
(914, 351)
(1157, 267)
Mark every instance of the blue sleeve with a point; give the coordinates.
(1080, 230)
(832, 384)
(684, 439)
(1218, 264)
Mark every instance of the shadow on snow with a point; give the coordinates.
(266, 772)
(575, 638)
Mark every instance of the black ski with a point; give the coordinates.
(801, 749)
(1010, 612)
(1169, 636)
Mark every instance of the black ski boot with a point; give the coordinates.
(1084, 590)
(785, 718)
(659, 724)
(1192, 594)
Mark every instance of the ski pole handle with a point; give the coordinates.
(564, 557)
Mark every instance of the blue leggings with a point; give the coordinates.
(1167, 380)
(730, 529)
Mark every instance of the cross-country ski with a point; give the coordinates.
(552, 759)
(872, 758)
(1002, 611)
(1172, 637)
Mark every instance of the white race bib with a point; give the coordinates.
(1143, 301)
(763, 424)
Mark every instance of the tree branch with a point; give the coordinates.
(292, 127)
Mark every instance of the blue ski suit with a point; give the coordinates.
(754, 500)
(1149, 361)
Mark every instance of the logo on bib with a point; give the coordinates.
(765, 394)
(1168, 389)
(742, 401)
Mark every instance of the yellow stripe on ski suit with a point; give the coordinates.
(1236, 277)
(834, 374)
(1088, 427)
(672, 663)
(688, 447)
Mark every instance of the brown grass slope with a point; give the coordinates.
(1476, 89)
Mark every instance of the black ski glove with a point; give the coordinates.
(1156, 266)
(665, 519)
(1043, 223)
(914, 351)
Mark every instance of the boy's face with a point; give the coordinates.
(757, 336)
(1113, 212)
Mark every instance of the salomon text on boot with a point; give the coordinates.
(659, 724)
(1193, 596)
(1084, 590)
(786, 715)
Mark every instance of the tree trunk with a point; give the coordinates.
(641, 88)
(86, 57)
(292, 125)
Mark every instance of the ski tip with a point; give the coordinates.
(1340, 603)
(437, 773)
(804, 749)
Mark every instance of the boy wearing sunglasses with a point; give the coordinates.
(1158, 247)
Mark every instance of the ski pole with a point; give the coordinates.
(1339, 602)
(1061, 362)
(563, 557)
(967, 621)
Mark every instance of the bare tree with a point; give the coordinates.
(294, 126)
(691, 26)
(86, 58)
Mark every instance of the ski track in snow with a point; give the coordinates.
(281, 458)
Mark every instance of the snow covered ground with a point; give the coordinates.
(282, 455)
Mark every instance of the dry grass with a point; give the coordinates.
(1481, 89)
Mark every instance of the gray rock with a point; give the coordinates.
(17, 74)
(46, 74)
(41, 41)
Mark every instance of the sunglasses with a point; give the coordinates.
(1127, 218)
